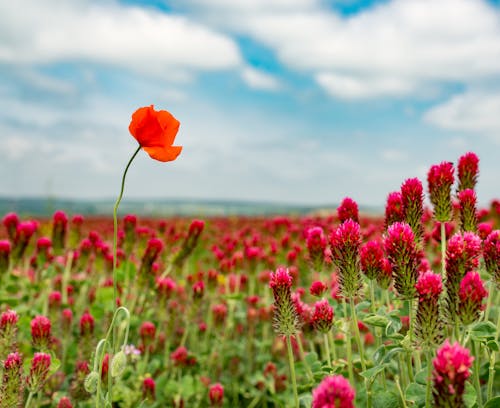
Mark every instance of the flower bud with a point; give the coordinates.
(118, 364)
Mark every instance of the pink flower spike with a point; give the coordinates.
(333, 392)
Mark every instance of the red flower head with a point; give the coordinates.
(440, 179)
(451, 370)
(316, 244)
(216, 395)
(412, 196)
(39, 371)
(285, 313)
(394, 209)
(155, 131)
(471, 294)
(11, 390)
(429, 286)
(41, 332)
(147, 331)
(10, 222)
(404, 258)
(372, 258)
(348, 209)
(333, 392)
(86, 324)
(148, 389)
(322, 318)
(344, 243)
(318, 288)
(468, 170)
(491, 254)
(64, 402)
(468, 213)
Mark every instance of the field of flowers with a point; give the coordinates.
(337, 310)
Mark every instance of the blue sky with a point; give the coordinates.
(299, 101)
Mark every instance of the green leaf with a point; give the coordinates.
(493, 403)
(371, 373)
(305, 400)
(493, 345)
(416, 393)
(376, 320)
(385, 399)
(311, 358)
(394, 326)
(483, 331)
(391, 353)
(421, 376)
(470, 395)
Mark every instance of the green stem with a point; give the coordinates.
(115, 290)
(428, 388)
(348, 347)
(410, 333)
(327, 349)
(292, 370)
(491, 293)
(303, 358)
(115, 226)
(491, 375)
(477, 382)
(357, 335)
(396, 379)
(443, 251)
(28, 401)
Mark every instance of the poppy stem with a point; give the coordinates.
(115, 286)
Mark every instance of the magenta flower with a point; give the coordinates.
(11, 390)
(468, 213)
(285, 320)
(404, 257)
(147, 332)
(468, 171)
(451, 370)
(316, 244)
(10, 221)
(40, 365)
(59, 229)
(491, 255)
(344, 243)
(440, 179)
(149, 389)
(86, 324)
(64, 402)
(8, 332)
(348, 209)
(41, 332)
(428, 321)
(216, 395)
(462, 255)
(394, 209)
(322, 318)
(318, 288)
(333, 392)
(471, 294)
(145, 274)
(372, 259)
(412, 196)
(5, 249)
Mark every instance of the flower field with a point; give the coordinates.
(337, 310)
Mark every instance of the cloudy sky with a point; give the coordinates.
(300, 101)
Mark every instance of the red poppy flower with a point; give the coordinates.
(155, 131)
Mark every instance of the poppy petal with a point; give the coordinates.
(170, 126)
(163, 153)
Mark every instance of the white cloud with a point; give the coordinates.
(475, 111)
(393, 155)
(39, 32)
(394, 48)
(260, 80)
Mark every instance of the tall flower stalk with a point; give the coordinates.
(155, 132)
(285, 320)
(440, 180)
